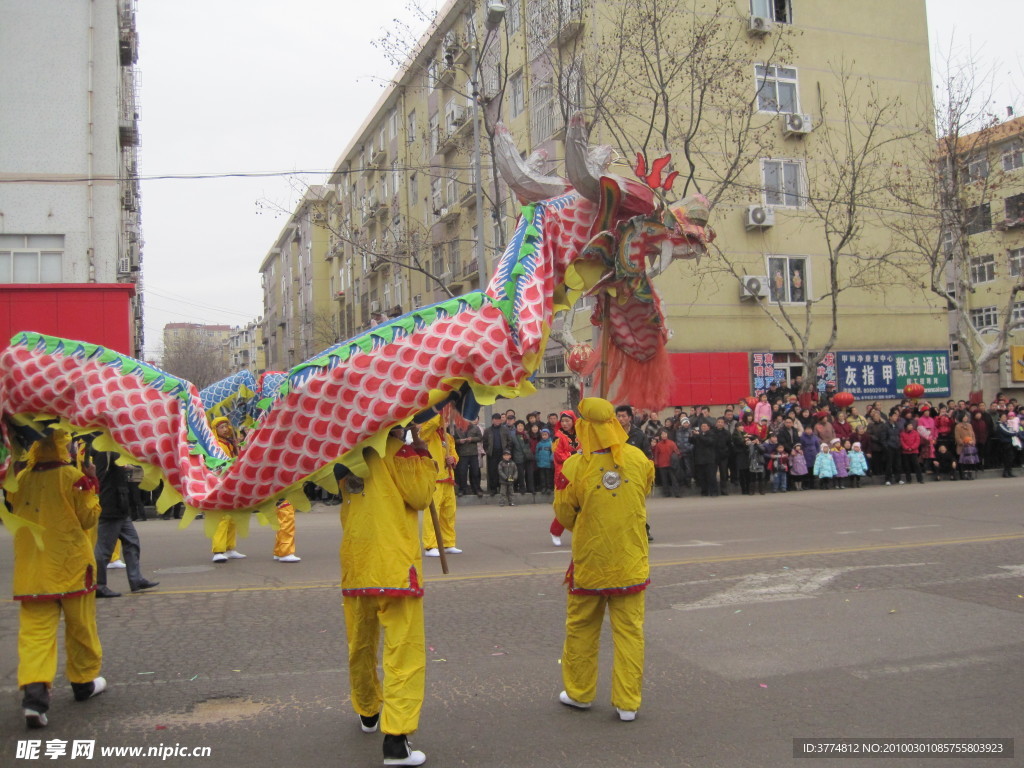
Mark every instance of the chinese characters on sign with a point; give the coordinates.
(884, 374)
(765, 371)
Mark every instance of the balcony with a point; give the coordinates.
(129, 134)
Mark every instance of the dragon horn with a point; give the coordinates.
(529, 185)
(584, 164)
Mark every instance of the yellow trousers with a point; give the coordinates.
(444, 500)
(404, 663)
(584, 616)
(284, 544)
(37, 640)
(116, 554)
(224, 536)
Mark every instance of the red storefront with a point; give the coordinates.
(99, 313)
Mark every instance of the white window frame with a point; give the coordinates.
(1016, 258)
(766, 81)
(795, 272)
(410, 128)
(542, 110)
(1013, 156)
(40, 255)
(393, 124)
(513, 16)
(983, 269)
(976, 168)
(984, 317)
(516, 95)
(770, 9)
(1018, 311)
(781, 197)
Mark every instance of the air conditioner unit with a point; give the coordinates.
(759, 217)
(796, 125)
(124, 265)
(759, 25)
(754, 287)
(374, 307)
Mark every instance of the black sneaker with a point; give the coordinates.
(35, 702)
(397, 751)
(369, 723)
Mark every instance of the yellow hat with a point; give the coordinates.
(52, 447)
(598, 428)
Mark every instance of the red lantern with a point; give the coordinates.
(751, 402)
(913, 390)
(578, 358)
(842, 399)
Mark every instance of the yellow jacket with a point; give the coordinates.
(56, 497)
(609, 538)
(441, 446)
(380, 544)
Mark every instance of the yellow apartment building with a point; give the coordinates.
(991, 188)
(299, 311)
(787, 114)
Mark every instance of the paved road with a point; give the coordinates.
(879, 612)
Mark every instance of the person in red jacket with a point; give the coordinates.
(910, 445)
(665, 449)
(565, 444)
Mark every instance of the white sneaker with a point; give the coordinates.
(432, 552)
(234, 554)
(288, 559)
(220, 557)
(626, 714)
(453, 550)
(566, 699)
(887, 482)
(556, 540)
(34, 719)
(116, 564)
(903, 482)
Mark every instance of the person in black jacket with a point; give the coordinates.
(723, 455)
(116, 524)
(888, 436)
(704, 460)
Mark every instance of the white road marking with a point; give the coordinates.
(927, 666)
(797, 584)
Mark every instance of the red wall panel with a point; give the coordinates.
(709, 378)
(99, 313)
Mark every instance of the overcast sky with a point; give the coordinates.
(261, 86)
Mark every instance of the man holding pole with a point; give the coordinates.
(381, 580)
(603, 502)
(442, 451)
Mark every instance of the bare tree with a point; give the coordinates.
(195, 356)
(948, 197)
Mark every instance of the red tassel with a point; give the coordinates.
(641, 384)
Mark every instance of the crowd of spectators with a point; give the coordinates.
(780, 441)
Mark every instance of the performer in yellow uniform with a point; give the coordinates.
(380, 579)
(225, 537)
(58, 578)
(604, 505)
(284, 543)
(442, 450)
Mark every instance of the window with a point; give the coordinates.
(542, 111)
(976, 168)
(776, 89)
(783, 182)
(515, 94)
(410, 135)
(31, 258)
(454, 259)
(512, 18)
(776, 10)
(787, 279)
(1018, 311)
(1014, 208)
(978, 219)
(432, 74)
(946, 242)
(983, 269)
(437, 260)
(1017, 262)
(1013, 156)
(435, 194)
(984, 317)
(393, 124)
(434, 134)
